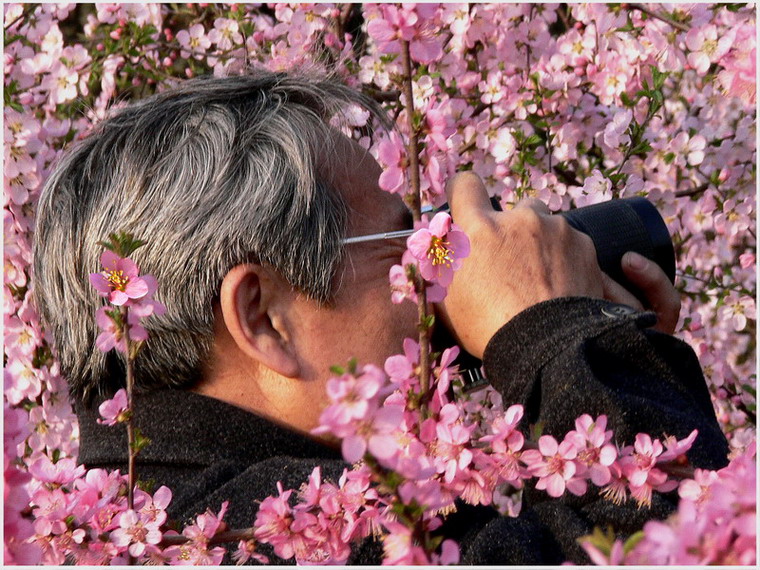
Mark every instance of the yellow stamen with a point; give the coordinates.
(439, 252)
(116, 278)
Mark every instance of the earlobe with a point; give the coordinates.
(246, 299)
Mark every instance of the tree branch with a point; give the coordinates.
(416, 205)
(693, 191)
(235, 535)
(656, 16)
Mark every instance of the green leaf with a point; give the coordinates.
(140, 442)
(533, 140)
(632, 541)
(627, 101)
(427, 322)
(670, 157)
(658, 77)
(339, 370)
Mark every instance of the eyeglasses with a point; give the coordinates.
(426, 210)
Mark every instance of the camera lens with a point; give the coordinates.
(618, 226)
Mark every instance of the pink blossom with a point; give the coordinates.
(553, 464)
(403, 288)
(675, 449)
(439, 249)
(112, 335)
(595, 453)
(194, 41)
(154, 509)
(706, 47)
(119, 281)
(638, 466)
(136, 532)
(113, 411)
(403, 23)
(246, 549)
(737, 310)
(273, 520)
(62, 472)
(374, 434)
(391, 155)
(615, 131)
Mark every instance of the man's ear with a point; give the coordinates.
(246, 300)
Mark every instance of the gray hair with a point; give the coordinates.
(214, 173)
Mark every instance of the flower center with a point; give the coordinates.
(589, 456)
(439, 252)
(139, 533)
(116, 278)
(556, 464)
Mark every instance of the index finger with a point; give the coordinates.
(468, 197)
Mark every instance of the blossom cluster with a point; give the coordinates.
(83, 516)
(716, 523)
(570, 104)
(469, 447)
(121, 284)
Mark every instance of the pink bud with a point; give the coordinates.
(168, 34)
(116, 34)
(189, 72)
(167, 61)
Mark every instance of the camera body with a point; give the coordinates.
(629, 224)
(615, 227)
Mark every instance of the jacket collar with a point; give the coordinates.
(189, 429)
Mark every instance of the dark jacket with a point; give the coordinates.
(560, 359)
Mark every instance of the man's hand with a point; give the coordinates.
(525, 256)
(517, 259)
(662, 297)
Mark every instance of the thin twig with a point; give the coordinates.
(416, 205)
(693, 191)
(656, 16)
(131, 468)
(235, 535)
(382, 96)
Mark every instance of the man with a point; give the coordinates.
(244, 192)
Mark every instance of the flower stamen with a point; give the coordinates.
(439, 252)
(116, 278)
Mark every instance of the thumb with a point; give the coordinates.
(468, 198)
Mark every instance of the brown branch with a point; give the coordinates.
(416, 205)
(234, 535)
(340, 21)
(382, 96)
(679, 470)
(656, 16)
(24, 13)
(567, 176)
(693, 191)
(131, 467)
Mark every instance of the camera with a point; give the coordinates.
(615, 227)
(629, 224)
